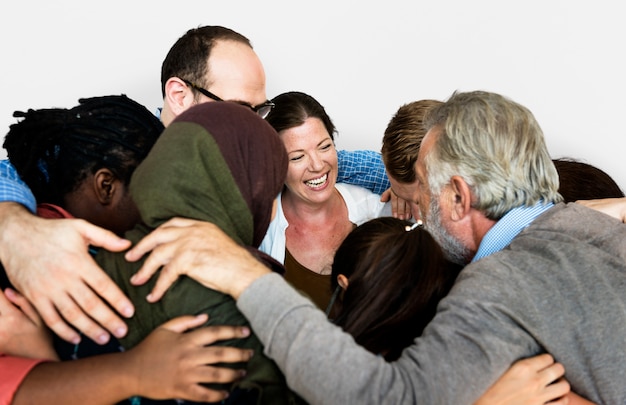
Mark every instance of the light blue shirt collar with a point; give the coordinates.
(508, 227)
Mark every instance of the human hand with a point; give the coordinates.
(47, 260)
(536, 380)
(199, 250)
(615, 207)
(169, 363)
(22, 332)
(400, 208)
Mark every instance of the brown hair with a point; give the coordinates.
(403, 137)
(188, 58)
(582, 181)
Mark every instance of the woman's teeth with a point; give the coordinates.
(317, 182)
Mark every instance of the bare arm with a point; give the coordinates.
(47, 261)
(615, 207)
(167, 364)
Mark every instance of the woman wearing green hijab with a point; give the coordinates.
(217, 162)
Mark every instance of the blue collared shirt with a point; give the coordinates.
(508, 227)
(12, 188)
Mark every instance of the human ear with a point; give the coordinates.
(342, 281)
(460, 198)
(105, 186)
(178, 95)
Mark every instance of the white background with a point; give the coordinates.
(361, 59)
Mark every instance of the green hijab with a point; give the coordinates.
(217, 162)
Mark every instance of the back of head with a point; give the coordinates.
(188, 57)
(497, 146)
(397, 275)
(219, 162)
(582, 181)
(293, 108)
(54, 150)
(403, 137)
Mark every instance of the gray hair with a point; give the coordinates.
(497, 147)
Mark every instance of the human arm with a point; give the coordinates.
(283, 319)
(47, 260)
(167, 364)
(363, 168)
(615, 207)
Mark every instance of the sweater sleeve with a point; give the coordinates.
(13, 370)
(453, 362)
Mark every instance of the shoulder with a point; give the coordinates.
(362, 204)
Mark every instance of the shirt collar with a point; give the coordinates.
(508, 227)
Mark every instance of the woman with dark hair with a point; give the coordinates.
(314, 212)
(581, 181)
(396, 275)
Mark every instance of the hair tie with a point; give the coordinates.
(417, 224)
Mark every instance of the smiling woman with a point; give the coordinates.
(314, 213)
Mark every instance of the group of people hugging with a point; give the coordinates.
(223, 250)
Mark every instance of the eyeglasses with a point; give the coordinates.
(262, 109)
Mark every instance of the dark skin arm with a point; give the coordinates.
(167, 364)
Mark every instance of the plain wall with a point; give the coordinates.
(361, 59)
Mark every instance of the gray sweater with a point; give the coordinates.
(559, 287)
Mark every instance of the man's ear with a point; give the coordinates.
(461, 198)
(105, 185)
(342, 281)
(178, 95)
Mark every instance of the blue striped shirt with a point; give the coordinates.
(508, 227)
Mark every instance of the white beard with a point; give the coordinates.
(453, 249)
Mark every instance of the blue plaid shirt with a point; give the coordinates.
(507, 228)
(363, 168)
(12, 188)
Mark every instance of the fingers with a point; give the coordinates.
(103, 286)
(212, 334)
(5, 304)
(161, 254)
(52, 318)
(163, 234)
(164, 281)
(557, 392)
(386, 195)
(202, 394)
(22, 303)
(183, 323)
(100, 237)
(538, 362)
